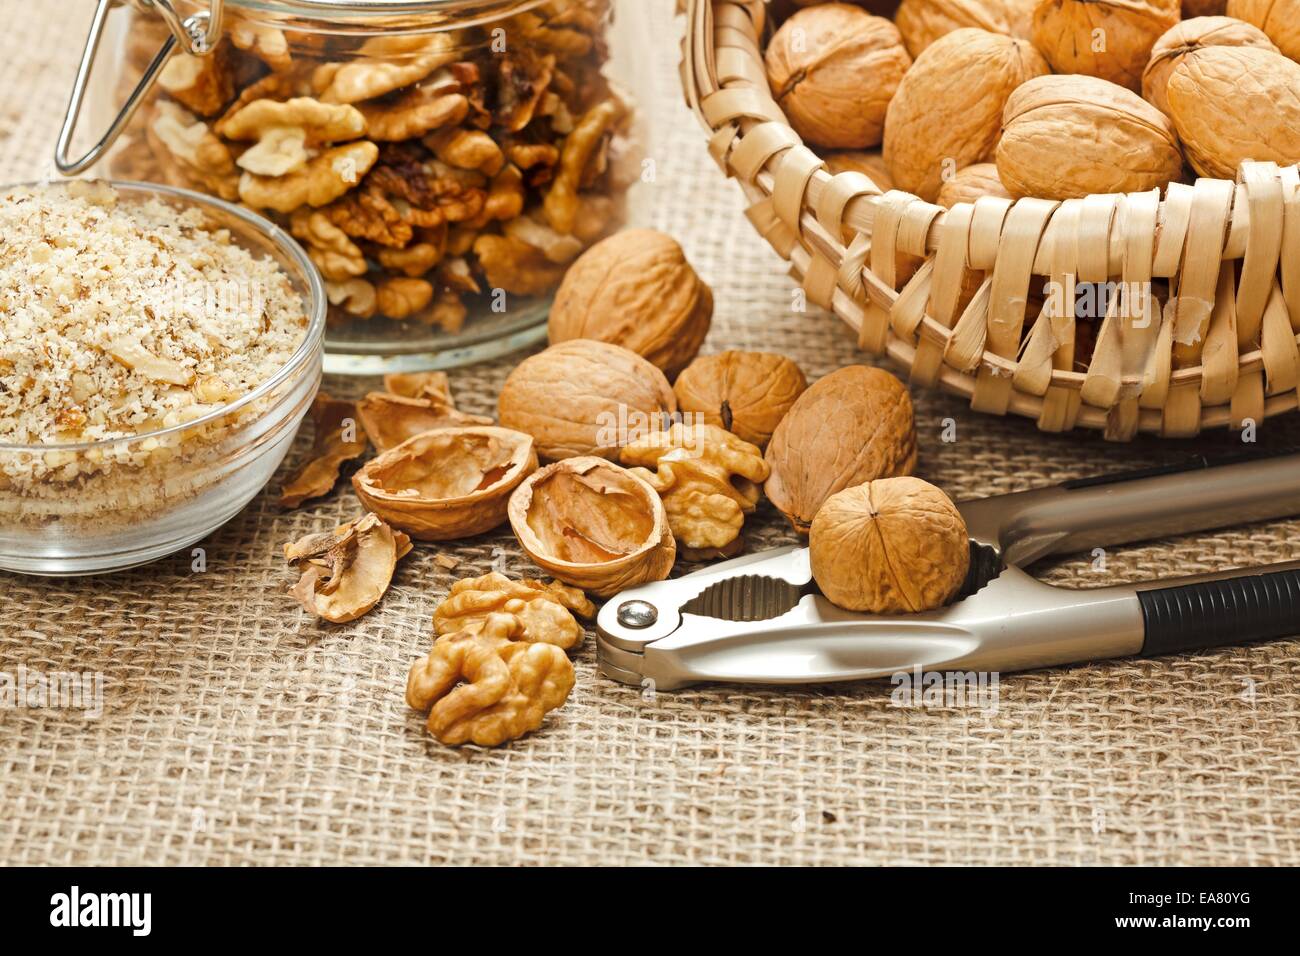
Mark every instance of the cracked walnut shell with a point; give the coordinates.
(594, 525)
(635, 289)
(708, 480)
(897, 545)
(486, 687)
(948, 111)
(346, 571)
(1108, 39)
(584, 398)
(851, 426)
(447, 484)
(747, 393)
(1232, 104)
(335, 442)
(1066, 137)
(545, 611)
(833, 69)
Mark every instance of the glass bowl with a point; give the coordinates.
(108, 505)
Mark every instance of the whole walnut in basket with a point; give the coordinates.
(635, 289)
(972, 183)
(1110, 39)
(852, 426)
(1066, 137)
(897, 545)
(948, 111)
(747, 393)
(1279, 19)
(584, 398)
(923, 21)
(833, 68)
(1188, 37)
(1232, 104)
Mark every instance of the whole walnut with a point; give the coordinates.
(948, 111)
(972, 183)
(833, 68)
(870, 164)
(584, 398)
(635, 289)
(1187, 37)
(923, 21)
(1204, 8)
(1110, 39)
(1279, 19)
(1231, 104)
(747, 393)
(851, 426)
(897, 545)
(1066, 137)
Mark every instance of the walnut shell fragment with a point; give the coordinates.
(1232, 104)
(747, 393)
(833, 68)
(412, 404)
(897, 545)
(851, 426)
(449, 483)
(346, 571)
(594, 525)
(545, 611)
(337, 440)
(485, 687)
(1066, 137)
(635, 289)
(708, 480)
(585, 398)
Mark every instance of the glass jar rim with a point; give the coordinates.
(312, 337)
(360, 9)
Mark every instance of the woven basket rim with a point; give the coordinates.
(721, 69)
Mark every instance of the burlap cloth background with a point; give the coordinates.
(238, 731)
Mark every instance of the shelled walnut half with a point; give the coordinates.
(449, 483)
(594, 525)
(486, 686)
(546, 612)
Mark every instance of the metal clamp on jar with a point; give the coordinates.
(442, 162)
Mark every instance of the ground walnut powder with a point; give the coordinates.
(120, 317)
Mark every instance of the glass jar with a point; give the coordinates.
(442, 162)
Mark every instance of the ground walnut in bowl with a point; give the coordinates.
(157, 351)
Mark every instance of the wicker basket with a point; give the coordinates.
(841, 235)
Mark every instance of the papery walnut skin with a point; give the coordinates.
(747, 393)
(833, 69)
(447, 484)
(852, 426)
(486, 687)
(1066, 32)
(1066, 137)
(1262, 122)
(580, 397)
(1187, 37)
(708, 480)
(594, 525)
(390, 420)
(948, 111)
(545, 611)
(635, 289)
(893, 546)
(338, 439)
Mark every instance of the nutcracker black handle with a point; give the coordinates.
(1236, 607)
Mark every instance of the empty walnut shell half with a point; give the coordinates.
(593, 524)
(447, 484)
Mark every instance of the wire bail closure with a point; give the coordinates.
(196, 35)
